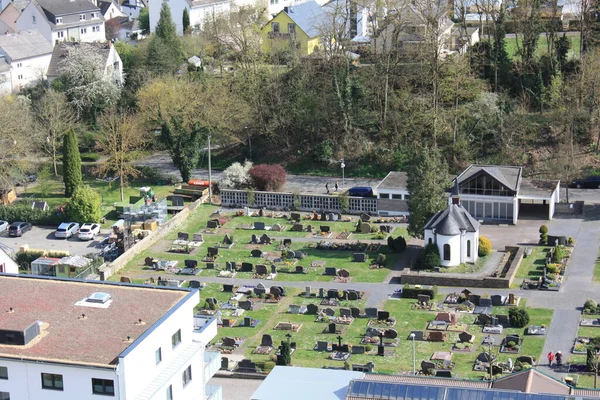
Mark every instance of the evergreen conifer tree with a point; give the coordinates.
(71, 163)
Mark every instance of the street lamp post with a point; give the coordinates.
(343, 176)
(209, 174)
(412, 336)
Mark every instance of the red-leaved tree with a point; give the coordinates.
(268, 177)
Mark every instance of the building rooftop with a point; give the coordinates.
(538, 187)
(24, 45)
(64, 7)
(395, 180)
(452, 221)
(61, 53)
(309, 16)
(66, 336)
(507, 175)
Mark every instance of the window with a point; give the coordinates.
(292, 29)
(275, 27)
(430, 241)
(33, 19)
(158, 356)
(396, 196)
(52, 381)
(19, 77)
(406, 196)
(58, 20)
(446, 252)
(60, 34)
(170, 392)
(103, 386)
(19, 65)
(82, 17)
(61, 269)
(83, 31)
(187, 376)
(95, 29)
(468, 248)
(93, 15)
(4, 396)
(3, 373)
(176, 338)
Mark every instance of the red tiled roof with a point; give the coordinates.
(96, 340)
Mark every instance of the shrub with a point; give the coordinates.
(374, 229)
(551, 268)
(90, 157)
(391, 243)
(431, 257)
(71, 163)
(413, 292)
(519, 317)
(571, 241)
(543, 234)
(511, 344)
(26, 214)
(236, 176)
(381, 259)
(368, 348)
(268, 177)
(485, 246)
(590, 306)
(543, 229)
(400, 244)
(558, 254)
(379, 236)
(84, 205)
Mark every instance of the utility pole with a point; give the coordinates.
(209, 174)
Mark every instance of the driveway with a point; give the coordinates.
(43, 238)
(526, 232)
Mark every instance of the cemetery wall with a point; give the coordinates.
(307, 202)
(178, 219)
(483, 282)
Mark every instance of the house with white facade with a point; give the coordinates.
(60, 57)
(392, 194)
(64, 20)
(28, 55)
(132, 8)
(7, 263)
(68, 339)
(198, 10)
(110, 9)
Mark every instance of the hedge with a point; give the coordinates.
(26, 214)
(413, 292)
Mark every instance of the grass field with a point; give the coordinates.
(532, 267)
(542, 48)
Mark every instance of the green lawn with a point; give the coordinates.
(542, 48)
(532, 267)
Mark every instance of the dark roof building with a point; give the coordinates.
(452, 221)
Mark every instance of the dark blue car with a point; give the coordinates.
(591, 182)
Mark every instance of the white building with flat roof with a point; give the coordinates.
(67, 339)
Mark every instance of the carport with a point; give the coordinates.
(537, 198)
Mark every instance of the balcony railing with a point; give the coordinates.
(281, 35)
(212, 364)
(213, 392)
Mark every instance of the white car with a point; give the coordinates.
(3, 226)
(66, 230)
(89, 231)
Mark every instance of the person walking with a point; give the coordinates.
(336, 186)
(327, 187)
(558, 357)
(550, 358)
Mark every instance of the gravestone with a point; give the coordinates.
(437, 336)
(198, 237)
(254, 239)
(183, 236)
(365, 227)
(427, 366)
(191, 263)
(325, 228)
(291, 254)
(466, 337)
(261, 285)
(228, 266)
(210, 265)
(213, 251)
(266, 341)
(275, 291)
(526, 359)
(273, 269)
(355, 312)
(485, 302)
(287, 242)
(259, 291)
(358, 349)
(261, 269)
(297, 228)
(423, 298)
(212, 224)
(380, 350)
(444, 373)
(256, 253)
(331, 271)
(352, 295)
(359, 257)
(300, 269)
(345, 312)
(390, 334)
(333, 294)
(513, 338)
(265, 239)
(282, 290)
(312, 309)
(329, 312)
(496, 300)
(371, 312)
(227, 240)
(224, 363)
(195, 284)
(259, 225)
(365, 217)
(211, 301)
(307, 291)
(373, 332)
(245, 305)
(383, 315)
(321, 293)
(246, 267)
(343, 273)
(227, 288)
(331, 328)
(322, 345)
(503, 320)
(228, 341)
(295, 216)
(345, 348)
(418, 335)
(309, 229)
(277, 228)
(511, 299)
(474, 298)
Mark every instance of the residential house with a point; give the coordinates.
(198, 10)
(60, 56)
(392, 195)
(64, 20)
(18, 4)
(299, 27)
(7, 263)
(85, 339)
(132, 8)
(8, 17)
(129, 28)
(110, 9)
(28, 54)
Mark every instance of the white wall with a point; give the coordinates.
(25, 22)
(29, 70)
(198, 15)
(113, 57)
(114, 12)
(455, 249)
(25, 382)
(7, 264)
(138, 367)
(474, 238)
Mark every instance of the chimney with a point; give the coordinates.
(286, 9)
(455, 193)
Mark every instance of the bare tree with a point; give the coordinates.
(121, 136)
(55, 117)
(16, 139)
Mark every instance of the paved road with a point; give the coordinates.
(43, 238)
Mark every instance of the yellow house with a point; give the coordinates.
(298, 27)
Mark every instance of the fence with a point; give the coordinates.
(303, 202)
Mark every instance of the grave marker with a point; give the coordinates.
(359, 257)
(259, 225)
(355, 312)
(345, 312)
(312, 309)
(256, 253)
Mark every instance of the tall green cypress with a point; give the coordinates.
(165, 28)
(71, 163)
(185, 20)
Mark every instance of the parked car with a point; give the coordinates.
(3, 226)
(18, 228)
(66, 230)
(89, 231)
(591, 182)
(360, 191)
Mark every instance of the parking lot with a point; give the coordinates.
(43, 238)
